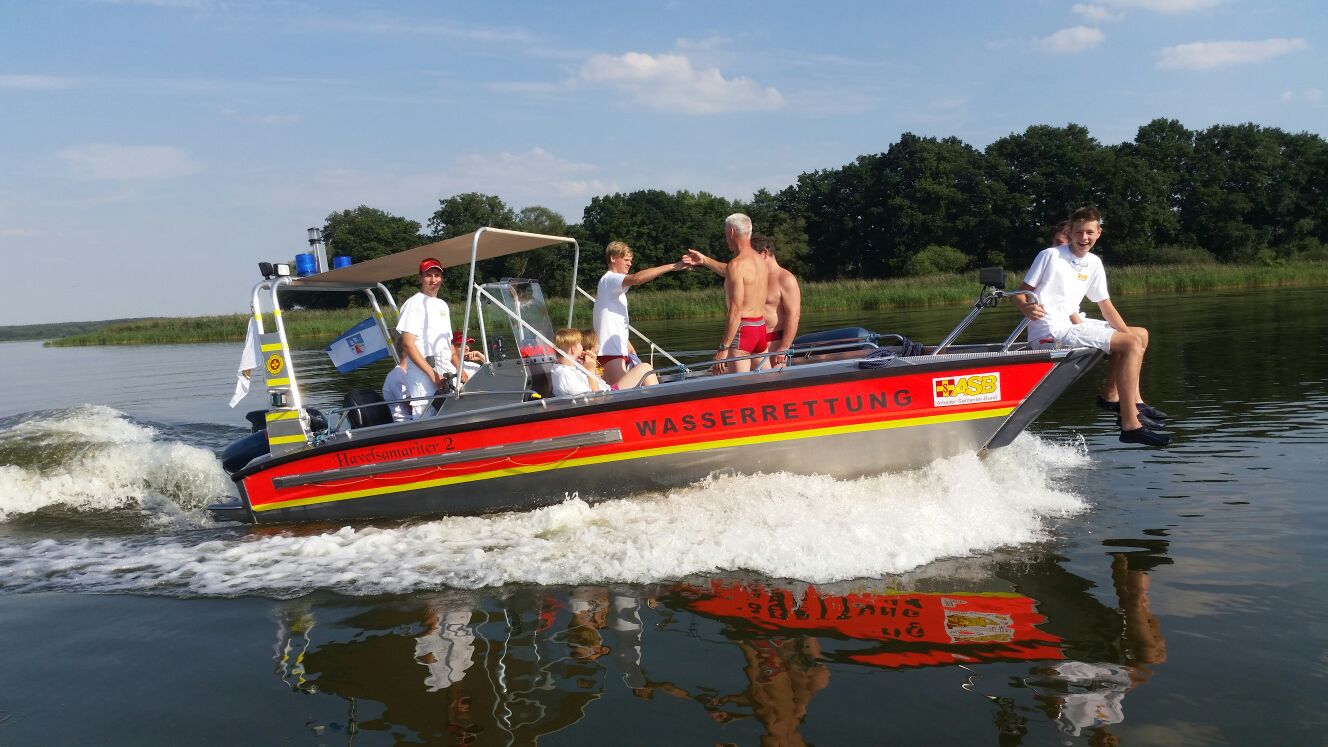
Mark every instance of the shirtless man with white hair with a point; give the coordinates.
(746, 280)
(783, 298)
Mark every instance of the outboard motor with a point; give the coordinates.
(244, 451)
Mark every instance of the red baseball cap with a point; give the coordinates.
(430, 264)
(456, 338)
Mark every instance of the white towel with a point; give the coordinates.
(248, 362)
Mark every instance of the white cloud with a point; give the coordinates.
(1171, 7)
(36, 82)
(192, 4)
(669, 82)
(399, 27)
(1096, 13)
(706, 44)
(129, 162)
(16, 233)
(527, 176)
(265, 120)
(1073, 39)
(1210, 55)
(1312, 95)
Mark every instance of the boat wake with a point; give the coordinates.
(90, 460)
(814, 529)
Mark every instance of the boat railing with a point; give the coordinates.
(993, 290)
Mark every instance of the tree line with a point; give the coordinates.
(1230, 193)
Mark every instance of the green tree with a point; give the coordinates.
(777, 217)
(870, 217)
(551, 266)
(1238, 192)
(366, 233)
(659, 227)
(1047, 172)
(461, 214)
(363, 233)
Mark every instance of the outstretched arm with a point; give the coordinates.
(693, 258)
(645, 276)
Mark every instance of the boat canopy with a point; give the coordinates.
(486, 243)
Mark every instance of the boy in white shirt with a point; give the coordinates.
(426, 334)
(610, 313)
(1062, 276)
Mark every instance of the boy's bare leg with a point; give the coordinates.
(1110, 387)
(1127, 359)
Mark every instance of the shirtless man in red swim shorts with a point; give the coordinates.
(745, 282)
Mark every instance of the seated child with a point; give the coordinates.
(396, 389)
(590, 341)
(568, 379)
(471, 360)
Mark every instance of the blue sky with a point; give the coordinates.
(193, 138)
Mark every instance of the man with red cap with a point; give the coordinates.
(426, 333)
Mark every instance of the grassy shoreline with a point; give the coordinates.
(846, 295)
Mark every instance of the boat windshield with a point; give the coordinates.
(513, 312)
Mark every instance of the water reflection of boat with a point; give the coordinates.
(908, 629)
(1027, 637)
(851, 403)
(450, 671)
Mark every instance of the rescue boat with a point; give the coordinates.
(846, 403)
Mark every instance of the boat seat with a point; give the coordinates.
(539, 377)
(370, 409)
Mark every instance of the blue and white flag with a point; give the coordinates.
(358, 346)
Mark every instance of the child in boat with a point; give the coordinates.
(1062, 276)
(570, 380)
(590, 341)
(471, 360)
(396, 388)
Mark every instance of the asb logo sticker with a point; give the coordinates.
(966, 390)
(274, 365)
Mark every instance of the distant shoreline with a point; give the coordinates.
(846, 295)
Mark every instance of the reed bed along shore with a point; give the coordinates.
(843, 295)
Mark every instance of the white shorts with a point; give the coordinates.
(1090, 333)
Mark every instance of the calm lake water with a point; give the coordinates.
(1065, 590)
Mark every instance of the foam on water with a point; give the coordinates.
(93, 459)
(814, 529)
